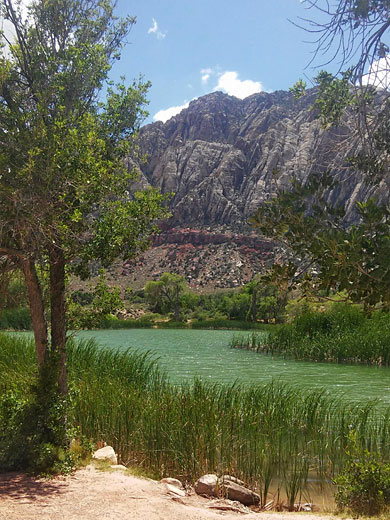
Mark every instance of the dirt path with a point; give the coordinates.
(95, 495)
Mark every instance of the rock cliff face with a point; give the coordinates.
(218, 156)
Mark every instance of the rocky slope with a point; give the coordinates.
(218, 159)
(207, 259)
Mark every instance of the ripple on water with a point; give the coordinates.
(206, 354)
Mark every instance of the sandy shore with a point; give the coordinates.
(90, 494)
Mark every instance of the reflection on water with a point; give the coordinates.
(206, 354)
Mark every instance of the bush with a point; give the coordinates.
(34, 434)
(364, 485)
(112, 322)
(82, 297)
(17, 319)
(341, 334)
(226, 324)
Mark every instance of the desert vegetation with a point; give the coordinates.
(341, 334)
(275, 437)
(68, 205)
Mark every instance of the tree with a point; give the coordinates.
(104, 301)
(268, 294)
(65, 189)
(354, 34)
(235, 305)
(329, 254)
(164, 295)
(351, 31)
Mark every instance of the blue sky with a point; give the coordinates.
(188, 48)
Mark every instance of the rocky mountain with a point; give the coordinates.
(218, 156)
(218, 159)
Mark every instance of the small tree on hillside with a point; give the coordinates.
(64, 184)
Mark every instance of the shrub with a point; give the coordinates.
(364, 485)
(17, 319)
(34, 434)
(81, 297)
(341, 334)
(112, 322)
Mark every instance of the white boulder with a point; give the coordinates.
(172, 481)
(107, 454)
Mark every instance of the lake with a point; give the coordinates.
(206, 354)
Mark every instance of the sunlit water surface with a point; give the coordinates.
(206, 354)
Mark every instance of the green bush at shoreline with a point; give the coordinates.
(342, 334)
(272, 436)
(19, 319)
(115, 323)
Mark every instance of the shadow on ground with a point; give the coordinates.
(20, 486)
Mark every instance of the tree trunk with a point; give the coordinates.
(177, 306)
(58, 317)
(37, 309)
(254, 304)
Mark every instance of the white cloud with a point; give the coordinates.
(7, 26)
(230, 83)
(154, 27)
(164, 115)
(379, 73)
(23, 7)
(155, 30)
(205, 75)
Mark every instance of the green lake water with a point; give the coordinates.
(206, 354)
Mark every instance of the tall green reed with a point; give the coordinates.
(342, 334)
(272, 436)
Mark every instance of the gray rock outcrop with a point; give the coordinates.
(219, 155)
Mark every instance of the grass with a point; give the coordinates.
(271, 436)
(342, 335)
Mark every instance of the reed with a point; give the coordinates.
(341, 335)
(271, 436)
(253, 341)
(17, 359)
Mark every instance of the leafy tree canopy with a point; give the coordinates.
(165, 294)
(328, 254)
(65, 133)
